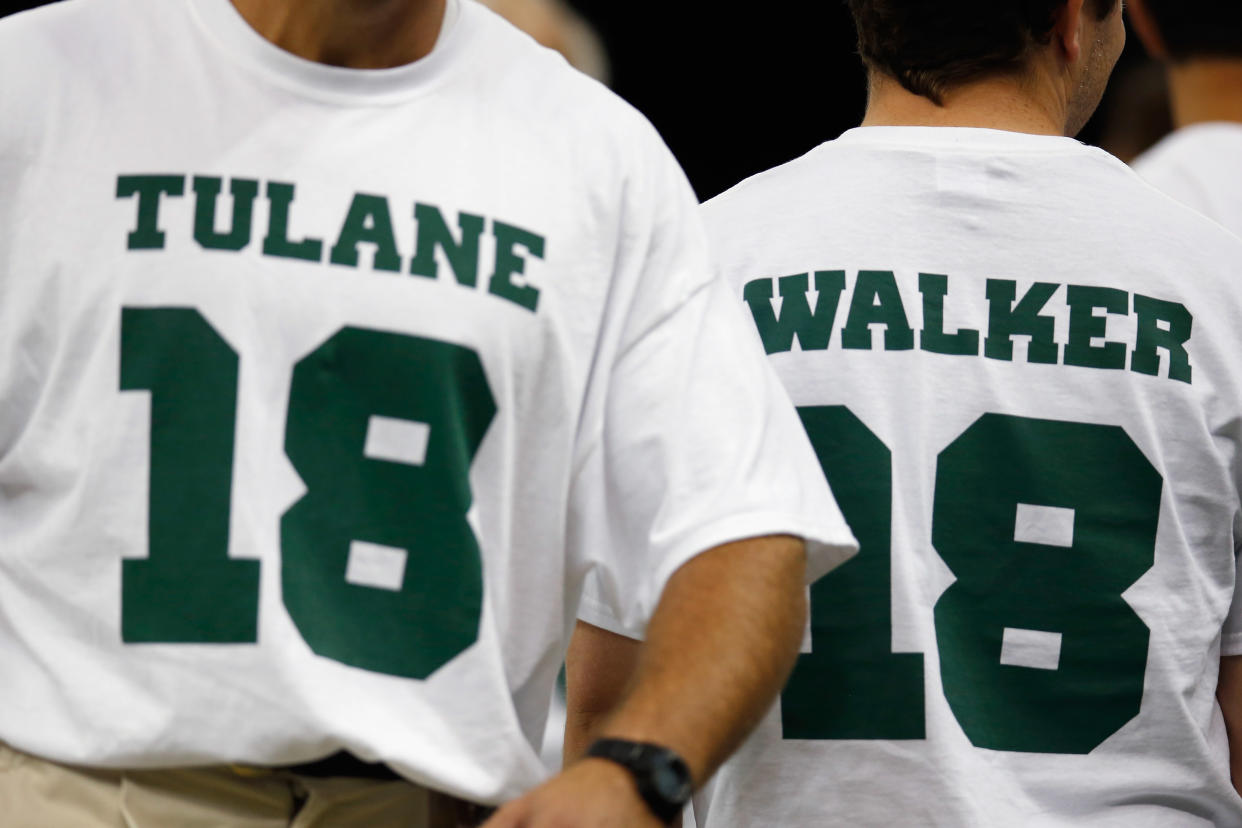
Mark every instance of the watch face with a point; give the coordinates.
(670, 783)
(661, 775)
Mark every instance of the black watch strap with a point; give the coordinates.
(662, 777)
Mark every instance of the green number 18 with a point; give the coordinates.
(411, 508)
(1044, 524)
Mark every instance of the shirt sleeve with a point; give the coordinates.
(1231, 634)
(694, 443)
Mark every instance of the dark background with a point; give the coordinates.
(735, 93)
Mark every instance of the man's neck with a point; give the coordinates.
(359, 34)
(1205, 90)
(1005, 103)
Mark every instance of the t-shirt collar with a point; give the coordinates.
(957, 137)
(224, 25)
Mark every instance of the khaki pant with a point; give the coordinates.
(35, 793)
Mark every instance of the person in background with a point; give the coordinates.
(1200, 43)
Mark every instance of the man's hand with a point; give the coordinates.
(593, 793)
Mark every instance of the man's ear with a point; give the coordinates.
(1147, 30)
(1067, 30)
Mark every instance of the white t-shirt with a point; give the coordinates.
(1200, 166)
(1020, 365)
(322, 391)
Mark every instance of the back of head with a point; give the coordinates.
(1199, 28)
(931, 47)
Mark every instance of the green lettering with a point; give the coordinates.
(206, 196)
(368, 221)
(277, 243)
(965, 342)
(510, 264)
(186, 589)
(434, 232)
(1172, 337)
(1006, 321)
(876, 300)
(813, 329)
(1085, 325)
(147, 234)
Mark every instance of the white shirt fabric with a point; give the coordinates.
(1200, 166)
(448, 343)
(1062, 517)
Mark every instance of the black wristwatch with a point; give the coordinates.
(661, 775)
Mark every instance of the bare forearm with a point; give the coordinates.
(1229, 694)
(599, 668)
(718, 650)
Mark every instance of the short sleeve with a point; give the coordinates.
(1231, 635)
(694, 441)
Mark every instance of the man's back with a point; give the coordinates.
(1018, 365)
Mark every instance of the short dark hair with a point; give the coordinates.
(930, 46)
(1199, 28)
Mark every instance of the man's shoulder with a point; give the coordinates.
(65, 32)
(771, 203)
(852, 201)
(539, 82)
(817, 180)
(48, 54)
(773, 184)
(40, 18)
(51, 51)
(598, 138)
